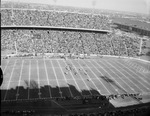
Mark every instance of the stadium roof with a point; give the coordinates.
(133, 23)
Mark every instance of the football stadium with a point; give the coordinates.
(71, 63)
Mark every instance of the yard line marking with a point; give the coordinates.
(103, 75)
(119, 76)
(141, 69)
(145, 71)
(5, 69)
(140, 72)
(62, 66)
(17, 95)
(6, 66)
(128, 78)
(60, 92)
(138, 67)
(29, 79)
(98, 78)
(65, 78)
(82, 79)
(129, 63)
(90, 79)
(109, 74)
(143, 75)
(9, 80)
(38, 79)
(134, 73)
(75, 81)
(47, 78)
(135, 66)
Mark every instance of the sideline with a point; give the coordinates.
(122, 57)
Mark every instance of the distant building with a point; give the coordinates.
(125, 24)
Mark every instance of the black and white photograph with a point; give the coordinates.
(75, 58)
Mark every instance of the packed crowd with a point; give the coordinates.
(124, 44)
(52, 41)
(103, 102)
(102, 98)
(48, 7)
(20, 17)
(142, 111)
(127, 111)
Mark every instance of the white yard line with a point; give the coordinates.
(140, 69)
(47, 78)
(104, 75)
(29, 79)
(136, 67)
(12, 81)
(136, 75)
(17, 95)
(127, 78)
(60, 92)
(91, 80)
(4, 71)
(82, 79)
(110, 76)
(38, 72)
(98, 79)
(127, 62)
(125, 58)
(6, 66)
(9, 80)
(75, 82)
(119, 76)
(65, 78)
(142, 74)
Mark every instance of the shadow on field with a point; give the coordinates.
(112, 82)
(31, 91)
(64, 99)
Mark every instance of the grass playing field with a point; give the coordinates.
(45, 78)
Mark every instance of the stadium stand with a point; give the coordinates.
(53, 18)
(82, 42)
(140, 27)
(124, 45)
(63, 39)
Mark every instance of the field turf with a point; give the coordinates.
(46, 78)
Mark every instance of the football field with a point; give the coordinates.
(46, 78)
